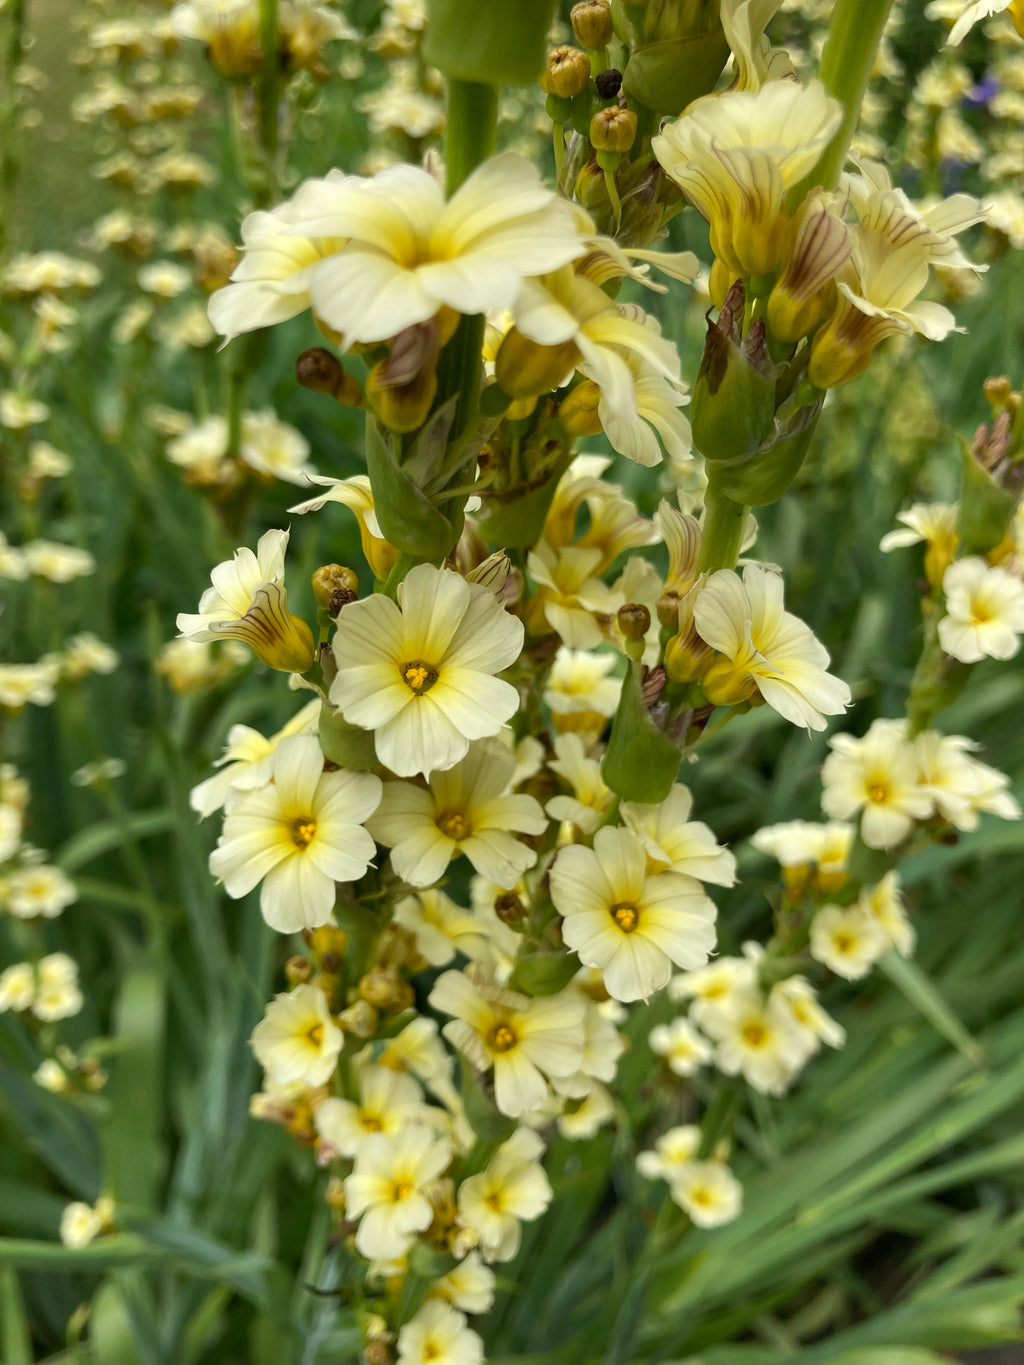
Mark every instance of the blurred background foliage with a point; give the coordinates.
(883, 1216)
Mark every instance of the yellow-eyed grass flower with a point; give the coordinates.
(387, 1190)
(298, 835)
(297, 1040)
(630, 925)
(984, 611)
(420, 673)
(466, 809)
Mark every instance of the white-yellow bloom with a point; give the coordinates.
(523, 1039)
(469, 1286)
(57, 563)
(630, 925)
(388, 1101)
(441, 928)
(984, 611)
(883, 903)
(465, 809)
(511, 1190)
(18, 411)
(438, 1335)
(672, 1151)
(591, 799)
(708, 1192)
(682, 1047)
(813, 1026)
(248, 760)
(57, 993)
(805, 847)
(714, 988)
(879, 776)
(81, 1224)
(38, 890)
(297, 1040)
(298, 835)
(247, 601)
(971, 13)
(675, 843)
(420, 674)
(736, 157)
(387, 1190)
(579, 693)
(34, 684)
(764, 649)
(274, 448)
(758, 1039)
(961, 785)
(166, 279)
(17, 987)
(847, 940)
(935, 524)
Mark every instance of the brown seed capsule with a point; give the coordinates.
(613, 129)
(322, 372)
(608, 83)
(567, 72)
(634, 620)
(509, 908)
(592, 23)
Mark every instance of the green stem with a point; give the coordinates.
(721, 531)
(854, 34)
(8, 119)
(471, 129)
(269, 89)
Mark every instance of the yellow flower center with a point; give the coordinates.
(843, 943)
(303, 831)
(400, 1190)
(315, 1034)
(879, 792)
(371, 1123)
(493, 1200)
(418, 676)
(430, 1350)
(502, 1038)
(626, 916)
(755, 1034)
(455, 824)
(701, 1195)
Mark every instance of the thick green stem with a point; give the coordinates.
(269, 93)
(471, 128)
(854, 34)
(722, 530)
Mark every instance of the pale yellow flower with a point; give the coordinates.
(682, 1047)
(466, 809)
(387, 1190)
(438, 1335)
(935, 524)
(388, 1101)
(764, 649)
(356, 494)
(847, 940)
(297, 1040)
(248, 760)
(298, 835)
(708, 1192)
(511, 1190)
(420, 673)
(984, 611)
(879, 776)
(758, 1039)
(630, 925)
(675, 843)
(736, 157)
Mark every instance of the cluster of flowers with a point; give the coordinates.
(32, 889)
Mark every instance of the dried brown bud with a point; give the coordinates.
(634, 620)
(608, 83)
(381, 989)
(509, 908)
(319, 370)
(377, 1352)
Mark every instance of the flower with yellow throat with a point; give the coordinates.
(298, 835)
(420, 673)
(737, 156)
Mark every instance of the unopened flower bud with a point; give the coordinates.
(377, 1352)
(297, 970)
(608, 83)
(380, 989)
(613, 129)
(567, 72)
(328, 945)
(401, 389)
(334, 587)
(526, 369)
(634, 620)
(322, 372)
(999, 392)
(592, 23)
(578, 410)
(509, 909)
(492, 573)
(359, 1019)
